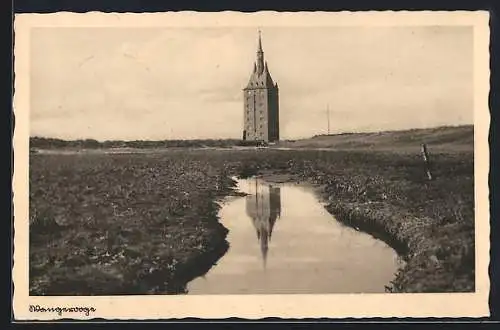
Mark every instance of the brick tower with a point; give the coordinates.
(261, 103)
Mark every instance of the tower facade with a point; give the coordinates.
(261, 103)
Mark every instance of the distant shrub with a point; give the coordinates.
(50, 143)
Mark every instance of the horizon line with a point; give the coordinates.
(239, 139)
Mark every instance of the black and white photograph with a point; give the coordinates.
(191, 157)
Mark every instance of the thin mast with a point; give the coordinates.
(328, 117)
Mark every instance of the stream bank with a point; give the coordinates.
(419, 241)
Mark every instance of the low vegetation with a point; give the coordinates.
(49, 143)
(147, 223)
(430, 223)
(122, 224)
(442, 139)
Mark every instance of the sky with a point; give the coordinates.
(186, 83)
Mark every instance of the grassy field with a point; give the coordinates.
(442, 139)
(147, 223)
(122, 224)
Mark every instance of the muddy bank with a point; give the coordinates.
(173, 279)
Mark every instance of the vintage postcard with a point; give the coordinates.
(251, 165)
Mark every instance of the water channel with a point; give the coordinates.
(282, 240)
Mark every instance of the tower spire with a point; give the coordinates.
(260, 57)
(260, 43)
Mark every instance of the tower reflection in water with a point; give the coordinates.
(263, 206)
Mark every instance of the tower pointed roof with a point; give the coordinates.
(260, 77)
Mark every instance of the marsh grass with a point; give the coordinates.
(122, 225)
(147, 223)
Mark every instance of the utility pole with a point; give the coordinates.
(328, 117)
